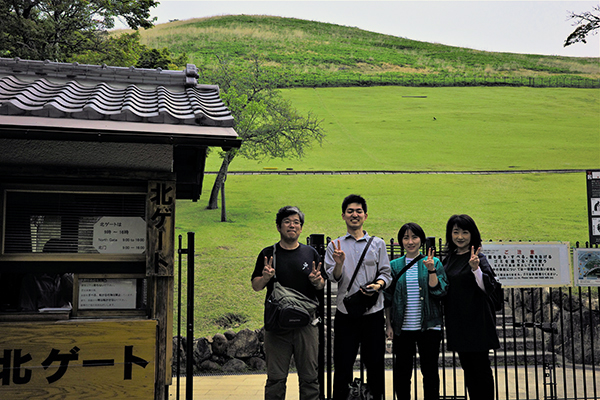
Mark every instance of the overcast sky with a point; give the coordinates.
(535, 27)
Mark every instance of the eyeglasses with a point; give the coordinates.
(291, 222)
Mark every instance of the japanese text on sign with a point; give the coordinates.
(527, 264)
(107, 293)
(120, 235)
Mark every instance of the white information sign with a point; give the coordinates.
(586, 267)
(120, 235)
(114, 294)
(529, 264)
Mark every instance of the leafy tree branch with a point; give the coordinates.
(587, 24)
(266, 122)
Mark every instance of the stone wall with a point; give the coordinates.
(229, 352)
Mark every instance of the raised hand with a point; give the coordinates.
(315, 274)
(429, 260)
(474, 260)
(338, 254)
(268, 271)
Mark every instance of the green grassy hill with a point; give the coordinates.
(309, 53)
(387, 128)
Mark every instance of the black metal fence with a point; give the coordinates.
(550, 341)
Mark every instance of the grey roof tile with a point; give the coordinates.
(59, 90)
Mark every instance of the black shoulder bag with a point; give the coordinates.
(358, 303)
(286, 308)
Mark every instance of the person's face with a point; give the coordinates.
(461, 238)
(290, 228)
(354, 216)
(411, 243)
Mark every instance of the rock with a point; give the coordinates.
(202, 350)
(244, 345)
(209, 366)
(257, 364)
(230, 335)
(219, 344)
(235, 365)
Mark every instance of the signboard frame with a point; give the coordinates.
(581, 268)
(528, 263)
(80, 358)
(593, 201)
(139, 310)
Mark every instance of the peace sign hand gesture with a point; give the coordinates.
(268, 271)
(315, 276)
(338, 254)
(429, 260)
(474, 260)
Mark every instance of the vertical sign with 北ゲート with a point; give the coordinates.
(586, 267)
(593, 196)
(161, 228)
(529, 264)
(78, 359)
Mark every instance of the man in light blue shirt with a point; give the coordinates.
(374, 274)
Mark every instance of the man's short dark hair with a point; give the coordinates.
(354, 198)
(286, 211)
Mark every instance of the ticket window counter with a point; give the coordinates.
(73, 253)
(109, 249)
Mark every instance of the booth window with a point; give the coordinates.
(54, 222)
(50, 235)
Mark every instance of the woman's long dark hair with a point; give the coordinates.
(463, 221)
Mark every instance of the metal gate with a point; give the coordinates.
(549, 341)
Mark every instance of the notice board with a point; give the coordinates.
(529, 264)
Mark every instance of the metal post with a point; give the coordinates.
(317, 241)
(189, 374)
(179, 319)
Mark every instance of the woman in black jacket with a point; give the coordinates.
(469, 316)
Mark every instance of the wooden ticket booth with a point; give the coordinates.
(92, 161)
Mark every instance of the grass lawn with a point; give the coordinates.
(481, 128)
(537, 207)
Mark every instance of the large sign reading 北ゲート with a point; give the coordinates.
(78, 359)
(593, 195)
(529, 264)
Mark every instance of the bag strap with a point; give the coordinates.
(360, 260)
(406, 267)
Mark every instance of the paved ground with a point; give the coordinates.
(513, 383)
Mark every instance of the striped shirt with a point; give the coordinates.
(412, 312)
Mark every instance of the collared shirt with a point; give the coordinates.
(376, 265)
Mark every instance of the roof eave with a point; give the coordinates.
(40, 128)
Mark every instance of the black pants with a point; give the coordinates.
(478, 374)
(368, 331)
(405, 344)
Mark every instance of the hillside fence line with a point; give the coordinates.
(346, 79)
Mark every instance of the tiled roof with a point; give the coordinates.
(93, 92)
